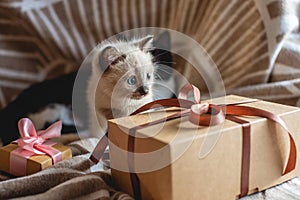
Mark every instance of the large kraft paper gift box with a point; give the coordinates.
(202, 162)
(33, 152)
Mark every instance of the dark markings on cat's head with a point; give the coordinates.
(140, 92)
(111, 56)
(120, 58)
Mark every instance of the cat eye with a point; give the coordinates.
(131, 80)
(148, 76)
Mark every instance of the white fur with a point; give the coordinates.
(51, 114)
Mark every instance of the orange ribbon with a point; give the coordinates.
(203, 114)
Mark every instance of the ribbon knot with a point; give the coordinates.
(204, 114)
(32, 140)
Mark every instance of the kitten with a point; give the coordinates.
(126, 72)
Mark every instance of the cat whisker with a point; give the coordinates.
(156, 90)
(166, 62)
(158, 77)
(163, 63)
(165, 52)
(157, 93)
(165, 71)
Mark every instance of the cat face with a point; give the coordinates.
(127, 69)
(136, 72)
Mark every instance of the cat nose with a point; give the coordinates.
(143, 90)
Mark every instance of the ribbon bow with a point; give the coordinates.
(35, 141)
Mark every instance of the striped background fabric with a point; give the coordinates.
(284, 83)
(40, 39)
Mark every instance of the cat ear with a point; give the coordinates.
(106, 57)
(163, 41)
(145, 43)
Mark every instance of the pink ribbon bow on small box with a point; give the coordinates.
(33, 142)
